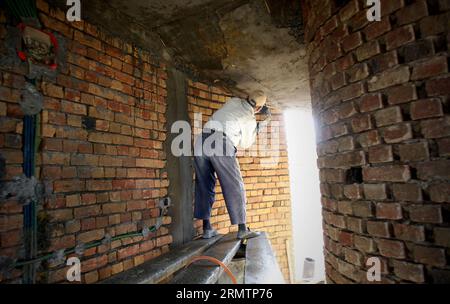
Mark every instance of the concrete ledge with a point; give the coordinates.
(261, 266)
(156, 270)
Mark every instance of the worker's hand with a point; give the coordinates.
(262, 124)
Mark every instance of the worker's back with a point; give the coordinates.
(237, 120)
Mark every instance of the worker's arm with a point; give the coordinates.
(262, 124)
(250, 130)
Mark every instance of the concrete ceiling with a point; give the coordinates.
(244, 44)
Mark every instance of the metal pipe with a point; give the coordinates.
(29, 211)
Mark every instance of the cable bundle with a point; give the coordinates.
(22, 8)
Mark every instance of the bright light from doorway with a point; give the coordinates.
(305, 197)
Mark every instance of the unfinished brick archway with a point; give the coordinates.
(380, 98)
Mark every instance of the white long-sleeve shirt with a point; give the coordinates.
(237, 120)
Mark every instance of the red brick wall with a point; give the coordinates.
(102, 180)
(380, 93)
(268, 194)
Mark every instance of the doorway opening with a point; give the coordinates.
(305, 197)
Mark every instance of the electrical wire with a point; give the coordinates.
(86, 246)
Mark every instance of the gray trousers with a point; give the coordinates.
(227, 169)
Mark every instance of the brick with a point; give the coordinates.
(436, 128)
(389, 78)
(426, 108)
(94, 263)
(409, 271)
(337, 220)
(352, 41)
(358, 72)
(88, 224)
(401, 94)
(439, 193)
(353, 257)
(429, 256)
(52, 90)
(353, 192)
(68, 186)
(355, 224)
(358, 21)
(351, 91)
(344, 207)
(368, 139)
(383, 62)
(388, 116)
(444, 5)
(397, 133)
(346, 238)
(361, 123)
(86, 211)
(387, 173)
(412, 12)
(414, 152)
(437, 87)
(399, 37)
(380, 229)
(128, 252)
(332, 175)
(338, 80)
(345, 160)
(60, 214)
(442, 236)
(444, 147)
(74, 108)
(365, 244)
(346, 143)
(417, 50)
(433, 169)
(362, 209)
(375, 191)
(433, 25)
(440, 276)
(368, 50)
(64, 242)
(409, 232)
(329, 204)
(344, 62)
(84, 160)
(114, 208)
(391, 211)
(381, 154)
(407, 192)
(98, 185)
(376, 29)
(431, 67)
(91, 277)
(370, 103)
(391, 249)
(72, 226)
(88, 40)
(389, 7)
(425, 214)
(349, 10)
(89, 236)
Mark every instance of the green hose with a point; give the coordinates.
(86, 246)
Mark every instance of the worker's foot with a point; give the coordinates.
(247, 234)
(209, 233)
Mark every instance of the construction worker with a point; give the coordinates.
(234, 125)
